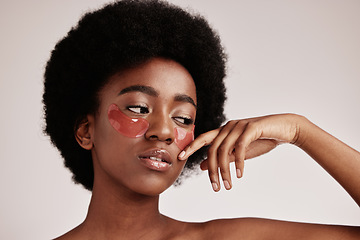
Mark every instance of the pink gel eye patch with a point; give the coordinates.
(183, 137)
(137, 127)
(129, 127)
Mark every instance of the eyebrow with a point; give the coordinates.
(185, 98)
(152, 92)
(140, 88)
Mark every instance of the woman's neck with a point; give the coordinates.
(118, 212)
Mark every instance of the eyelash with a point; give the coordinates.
(145, 110)
(186, 121)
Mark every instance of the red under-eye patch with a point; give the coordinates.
(129, 127)
(183, 137)
(137, 127)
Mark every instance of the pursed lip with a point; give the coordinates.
(156, 159)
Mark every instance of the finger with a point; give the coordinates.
(225, 172)
(239, 160)
(204, 165)
(216, 158)
(225, 151)
(201, 141)
(255, 149)
(213, 170)
(249, 135)
(228, 145)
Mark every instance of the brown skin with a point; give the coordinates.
(244, 139)
(124, 203)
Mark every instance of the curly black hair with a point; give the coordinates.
(118, 36)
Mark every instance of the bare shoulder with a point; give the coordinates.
(258, 228)
(250, 228)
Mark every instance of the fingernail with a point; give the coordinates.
(227, 184)
(214, 186)
(182, 154)
(238, 173)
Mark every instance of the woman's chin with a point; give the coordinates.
(151, 187)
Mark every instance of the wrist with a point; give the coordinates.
(301, 126)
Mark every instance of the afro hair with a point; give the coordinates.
(118, 36)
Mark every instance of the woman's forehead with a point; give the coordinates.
(157, 76)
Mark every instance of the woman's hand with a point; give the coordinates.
(243, 139)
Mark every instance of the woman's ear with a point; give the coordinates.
(83, 134)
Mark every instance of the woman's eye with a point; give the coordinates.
(184, 120)
(138, 109)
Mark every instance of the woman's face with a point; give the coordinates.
(161, 95)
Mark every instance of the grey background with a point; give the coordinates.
(297, 56)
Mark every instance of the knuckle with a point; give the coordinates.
(239, 143)
(224, 171)
(230, 122)
(201, 139)
(212, 150)
(240, 123)
(223, 163)
(222, 148)
(189, 147)
(238, 161)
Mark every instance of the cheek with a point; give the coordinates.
(137, 127)
(129, 127)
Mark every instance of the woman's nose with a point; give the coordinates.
(160, 128)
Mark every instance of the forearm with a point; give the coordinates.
(338, 159)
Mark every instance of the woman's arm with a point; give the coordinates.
(338, 159)
(267, 229)
(244, 139)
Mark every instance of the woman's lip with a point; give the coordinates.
(156, 159)
(155, 165)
